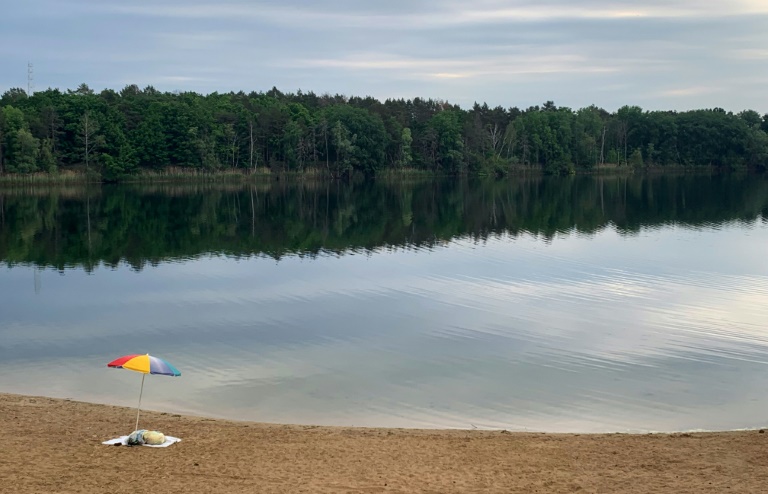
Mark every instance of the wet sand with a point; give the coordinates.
(50, 445)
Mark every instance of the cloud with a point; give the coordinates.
(689, 91)
(513, 53)
(431, 14)
(457, 68)
(197, 40)
(750, 54)
(450, 75)
(183, 79)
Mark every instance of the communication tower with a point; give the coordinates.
(30, 79)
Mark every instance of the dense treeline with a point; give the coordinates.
(88, 226)
(114, 134)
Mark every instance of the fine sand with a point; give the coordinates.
(49, 445)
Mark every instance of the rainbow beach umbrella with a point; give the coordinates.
(146, 364)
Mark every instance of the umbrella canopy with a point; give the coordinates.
(146, 364)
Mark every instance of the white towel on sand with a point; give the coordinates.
(123, 441)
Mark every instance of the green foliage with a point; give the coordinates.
(405, 155)
(24, 152)
(117, 168)
(359, 138)
(13, 119)
(47, 159)
(448, 144)
(14, 96)
(560, 167)
(118, 134)
(757, 149)
(495, 166)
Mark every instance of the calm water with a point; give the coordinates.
(578, 304)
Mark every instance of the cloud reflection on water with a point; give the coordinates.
(589, 334)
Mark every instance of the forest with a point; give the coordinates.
(113, 135)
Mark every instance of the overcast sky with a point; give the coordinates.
(659, 54)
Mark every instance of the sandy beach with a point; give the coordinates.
(51, 445)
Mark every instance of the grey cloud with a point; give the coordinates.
(690, 54)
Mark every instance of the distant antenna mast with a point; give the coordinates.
(30, 79)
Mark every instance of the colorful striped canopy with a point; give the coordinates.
(145, 364)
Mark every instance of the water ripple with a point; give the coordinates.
(579, 332)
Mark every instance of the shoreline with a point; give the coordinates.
(177, 175)
(56, 445)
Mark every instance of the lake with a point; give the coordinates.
(580, 304)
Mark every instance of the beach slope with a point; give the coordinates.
(50, 445)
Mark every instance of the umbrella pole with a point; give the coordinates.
(138, 408)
